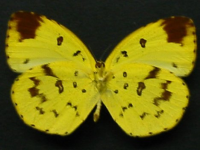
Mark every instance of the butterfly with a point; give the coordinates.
(61, 82)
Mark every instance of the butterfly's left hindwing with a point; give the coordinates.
(33, 40)
(145, 100)
(53, 98)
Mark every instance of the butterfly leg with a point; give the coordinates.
(96, 114)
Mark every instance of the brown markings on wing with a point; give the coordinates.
(42, 97)
(165, 96)
(176, 28)
(48, 71)
(153, 73)
(33, 90)
(27, 24)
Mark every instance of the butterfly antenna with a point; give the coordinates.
(104, 52)
(92, 52)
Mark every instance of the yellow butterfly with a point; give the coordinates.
(61, 81)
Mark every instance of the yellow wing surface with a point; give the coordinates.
(145, 100)
(167, 43)
(53, 98)
(61, 82)
(145, 97)
(34, 40)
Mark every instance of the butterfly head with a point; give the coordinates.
(100, 66)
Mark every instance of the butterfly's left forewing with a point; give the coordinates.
(167, 43)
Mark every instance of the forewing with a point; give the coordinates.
(33, 40)
(168, 43)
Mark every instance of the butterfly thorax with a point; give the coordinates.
(101, 76)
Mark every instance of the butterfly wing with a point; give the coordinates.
(168, 43)
(55, 98)
(33, 40)
(144, 100)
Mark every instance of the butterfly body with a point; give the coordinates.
(138, 83)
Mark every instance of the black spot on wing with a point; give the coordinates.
(184, 108)
(174, 65)
(83, 90)
(124, 74)
(140, 88)
(130, 105)
(77, 53)
(77, 114)
(125, 86)
(75, 84)
(55, 113)
(41, 111)
(117, 59)
(76, 73)
(150, 133)
(165, 129)
(47, 130)
(75, 107)
(143, 115)
(27, 24)
(26, 61)
(69, 104)
(32, 125)
(60, 86)
(176, 28)
(116, 91)
(42, 97)
(124, 108)
(143, 42)
(124, 53)
(59, 40)
(159, 113)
